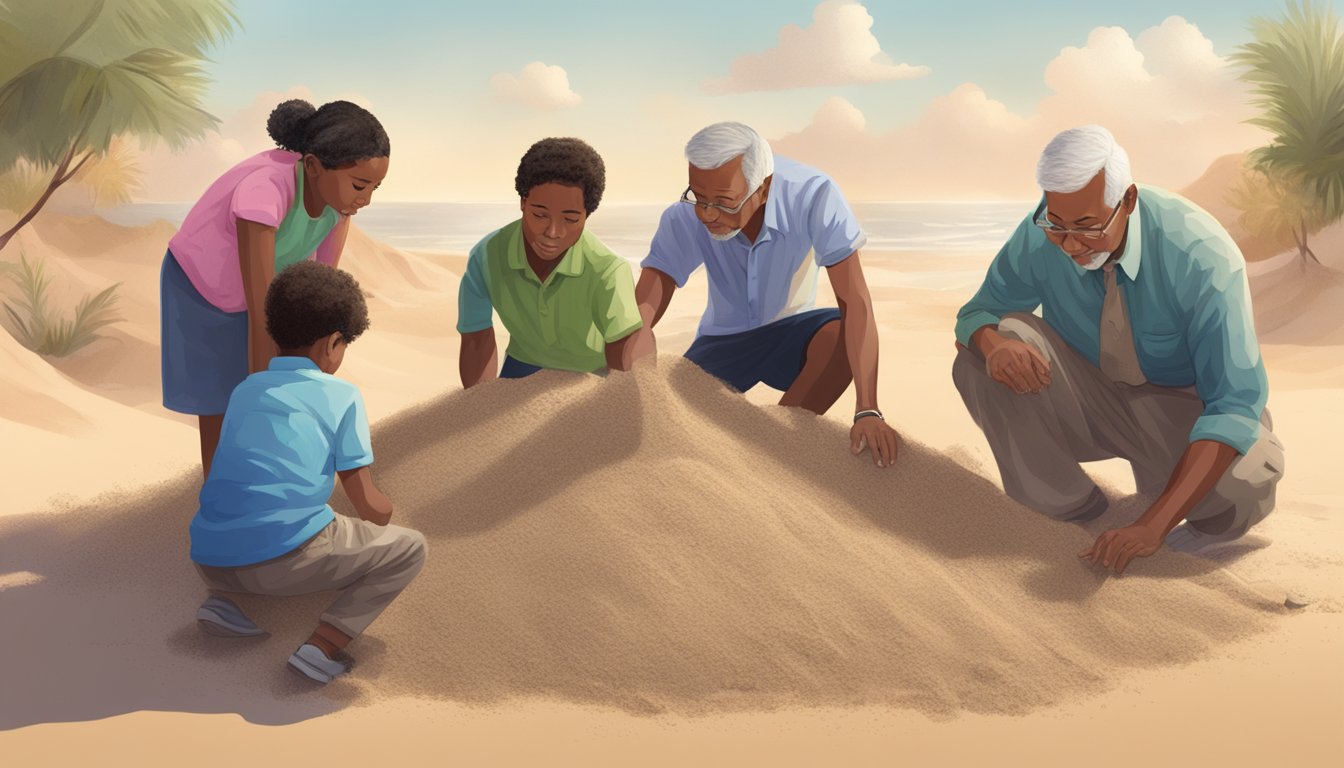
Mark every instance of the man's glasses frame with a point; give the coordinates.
(687, 197)
(1059, 233)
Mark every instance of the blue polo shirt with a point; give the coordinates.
(808, 224)
(288, 430)
(1184, 285)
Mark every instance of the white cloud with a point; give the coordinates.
(837, 49)
(1170, 101)
(538, 86)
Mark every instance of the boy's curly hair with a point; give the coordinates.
(563, 161)
(309, 301)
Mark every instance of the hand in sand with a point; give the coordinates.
(1018, 366)
(1118, 546)
(878, 437)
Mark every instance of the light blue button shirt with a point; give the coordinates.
(1184, 285)
(808, 224)
(288, 430)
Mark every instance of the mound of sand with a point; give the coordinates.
(649, 541)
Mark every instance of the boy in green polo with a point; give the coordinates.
(567, 301)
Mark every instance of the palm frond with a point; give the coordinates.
(20, 187)
(91, 314)
(154, 94)
(1295, 66)
(37, 328)
(29, 309)
(77, 73)
(113, 177)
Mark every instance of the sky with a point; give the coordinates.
(895, 100)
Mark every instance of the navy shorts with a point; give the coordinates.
(772, 354)
(204, 348)
(514, 368)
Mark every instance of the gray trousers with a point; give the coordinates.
(1039, 440)
(370, 564)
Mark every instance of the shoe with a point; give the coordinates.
(220, 617)
(312, 663)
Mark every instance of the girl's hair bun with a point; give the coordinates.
(288, 124)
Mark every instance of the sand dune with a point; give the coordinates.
(1298, 302)
(650, 542)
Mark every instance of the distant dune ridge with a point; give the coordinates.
(651, 542)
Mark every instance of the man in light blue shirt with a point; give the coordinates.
(762, 227)
(1145, 350)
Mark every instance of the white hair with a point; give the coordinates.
(717, 144)
(1074, 158)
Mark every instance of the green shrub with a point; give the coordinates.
(38, 327)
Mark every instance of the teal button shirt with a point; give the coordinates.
(1184, 285)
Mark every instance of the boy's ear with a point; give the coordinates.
(330, 343)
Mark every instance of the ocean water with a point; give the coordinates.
(627, 229)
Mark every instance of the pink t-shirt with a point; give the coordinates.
(261, 189)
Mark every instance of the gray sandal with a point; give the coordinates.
(220, 617)
(312, 663)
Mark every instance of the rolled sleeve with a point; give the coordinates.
(834, 229)
(676, 250)
(615, 311)
(1008, 287)
(475, 312)
(1229, 371)
(261, 197)
(352, 447)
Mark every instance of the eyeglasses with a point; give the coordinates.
(689, 197)
(1059, 233)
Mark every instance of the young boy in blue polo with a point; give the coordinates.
(264, 526)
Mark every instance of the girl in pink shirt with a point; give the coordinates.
(271, 210)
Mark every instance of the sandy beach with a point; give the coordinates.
(649, 569)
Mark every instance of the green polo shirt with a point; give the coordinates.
(565, 322)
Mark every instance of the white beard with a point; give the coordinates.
(1098, 261)
(726, 235)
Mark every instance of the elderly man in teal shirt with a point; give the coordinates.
(1145, 350)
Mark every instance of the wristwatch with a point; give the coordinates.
(870, 412)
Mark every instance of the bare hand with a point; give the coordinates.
(1120, 545)
(1018, 366)
(877, 436)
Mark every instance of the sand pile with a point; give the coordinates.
(651, 542)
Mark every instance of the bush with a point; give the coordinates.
(38, 327)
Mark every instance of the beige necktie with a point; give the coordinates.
(1119, 359)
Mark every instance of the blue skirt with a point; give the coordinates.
(204, 348)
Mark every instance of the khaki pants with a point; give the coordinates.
(370, 564)
(1038, 440)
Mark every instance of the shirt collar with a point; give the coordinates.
(774, 212)
(292, 363)
(571, 264)
(773, 215)
(1133, 256)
